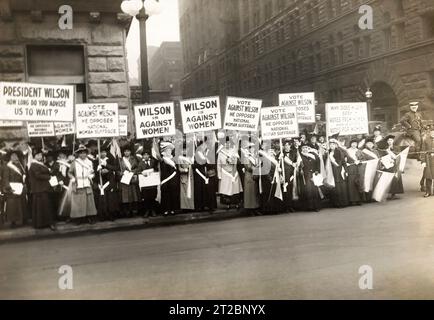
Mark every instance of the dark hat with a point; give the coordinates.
(354, 140)
(377, 128)
(91, 143)
(82, 148)
(390, 136)
(382, 145)
(334, 136)
(369, 139)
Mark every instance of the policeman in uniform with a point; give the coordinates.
(412, 122)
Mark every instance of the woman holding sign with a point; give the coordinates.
(130, 193)
(14, 190)
(81, 174)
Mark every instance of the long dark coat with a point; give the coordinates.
(108, 203)
(170, 189)
(16, 205)
(354, 178)
(130, 193)
(42, 210)
(310, 194)
(428, 157)
(339, 194)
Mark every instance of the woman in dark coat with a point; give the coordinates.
(336, 160)
(290, 162)
(205, 194)
(169, 180)
(130, 193)
(397, 186)
(108, 194)
(42, 209)
(354, 156)
(310, 166)
(14, 179)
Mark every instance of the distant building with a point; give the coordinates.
(91, 56)
(260, 48)
(166, 69)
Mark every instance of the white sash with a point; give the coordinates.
(170, 162)
(370, 153)
(14, 168)
(127, 163)
(169, 178)
(103, 187)
(83, 164)
(202, 176)
(230, 175)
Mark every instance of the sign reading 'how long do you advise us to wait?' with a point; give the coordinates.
(97, 120)
(279, 122)
(36, 102)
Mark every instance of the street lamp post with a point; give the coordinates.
(142, 10)
(368, 95)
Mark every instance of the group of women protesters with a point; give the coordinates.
(106, 182)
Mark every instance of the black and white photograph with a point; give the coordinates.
(216, 150)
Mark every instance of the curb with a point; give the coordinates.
(69, 230)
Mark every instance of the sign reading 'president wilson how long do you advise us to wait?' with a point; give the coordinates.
(242, 114)
(36, 102)
(347, 118)
(155, 120)
(201, 114)
(279, 122)
(97, 120)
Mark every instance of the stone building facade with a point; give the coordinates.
(91, 56)
(317, 45)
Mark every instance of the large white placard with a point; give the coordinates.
(36, 102)
(279, 122)
(97, 120)
(242, 114)
(305, 103)
(347, 118)
(64, 128)
(123, 125)
(200, 115)
(155, 120)
(40, 129)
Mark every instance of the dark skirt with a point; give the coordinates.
(130, 193)
(16, 208)
(42, 210)
(205, 195)
(170, 195)
(108, 204)
(354, 188)
(339, 195)
(310, 198)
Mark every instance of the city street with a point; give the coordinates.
(291, 256)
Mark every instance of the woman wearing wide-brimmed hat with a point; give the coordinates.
(81, 174)
(42, 208)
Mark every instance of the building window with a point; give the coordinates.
(57, 64)
(332, 57)
(428, 22)
(367, 46)
(387, 38)
(340, 54)
(356, 46)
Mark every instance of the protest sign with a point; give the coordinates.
(201, 114)
(63, 128)
(155, 120)
(242, 114)
(40, 129)
(305, 103)
(123, 125)
(11, 123)
(95, 120)
(347, 118)
(36, 102)
(279, 122)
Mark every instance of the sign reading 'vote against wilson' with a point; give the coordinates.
(97, 120)
(201, 114)
(279, 122)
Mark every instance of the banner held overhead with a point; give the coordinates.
(347, 118)
(279, 122)
(242, 114)
(97, 120)
(305, 103)
(200, 115)
(155, 120)
(36, 102)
